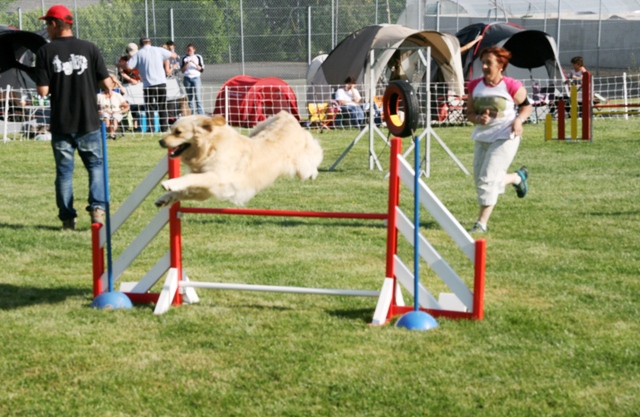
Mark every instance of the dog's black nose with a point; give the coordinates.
(161, 142)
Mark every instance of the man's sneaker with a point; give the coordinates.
(69, 224)
(522, 188)
(97, 216)
(478, 228)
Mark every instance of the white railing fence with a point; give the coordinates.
(23, 116)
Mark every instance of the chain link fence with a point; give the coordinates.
(278, 38)
(259, 38)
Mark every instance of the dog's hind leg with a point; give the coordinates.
(167, 199)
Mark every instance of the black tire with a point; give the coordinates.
(399, 96)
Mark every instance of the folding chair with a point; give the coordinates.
(321, 116)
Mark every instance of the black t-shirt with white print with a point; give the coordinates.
(72, 68)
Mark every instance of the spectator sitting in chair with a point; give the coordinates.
(349, 99)
(112, 109)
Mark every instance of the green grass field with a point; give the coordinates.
(559, 338)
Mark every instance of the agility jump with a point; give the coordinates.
(178, 289)
(586, 106)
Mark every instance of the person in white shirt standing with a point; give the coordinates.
(150, 62)
(192, 67)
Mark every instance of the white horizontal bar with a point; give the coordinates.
(272, 288)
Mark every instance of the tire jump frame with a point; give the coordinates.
(462, 303)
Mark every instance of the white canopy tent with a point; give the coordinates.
(397, 52)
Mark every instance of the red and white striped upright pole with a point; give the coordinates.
(175, 231)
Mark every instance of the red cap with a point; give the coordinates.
(58, 12)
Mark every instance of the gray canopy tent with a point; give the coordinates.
(397, 51)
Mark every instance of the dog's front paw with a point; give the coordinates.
(166, 185)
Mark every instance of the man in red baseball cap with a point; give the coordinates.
(58, 11)
(71, 69)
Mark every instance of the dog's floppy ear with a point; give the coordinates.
(214, 121)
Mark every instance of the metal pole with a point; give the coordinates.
(171, 22)
(226, 24)
(427, 151)
(146, 18)
(19, 18)
(75, 23)
(625, 95)
(419, 15)
(437, 16)
(599, 36)
(371, 121)
(153, 12)
(457, 16)
(416, 225)
(376, 12)
(544, 27)
(309, 34)
(333, 25)
(107, 200)
(242, 36)
(337, 15)
(388, 13)
(558, 32)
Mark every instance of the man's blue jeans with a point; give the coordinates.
(194, 91)
(89, 146)
(352, 115)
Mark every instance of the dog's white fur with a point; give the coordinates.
(229, 166)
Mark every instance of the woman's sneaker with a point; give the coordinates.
(522, 188)
(478, 228)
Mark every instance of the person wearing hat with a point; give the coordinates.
(150, 62)
(72, 70)
(128, 76)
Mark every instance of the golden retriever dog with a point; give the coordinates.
(232, 167)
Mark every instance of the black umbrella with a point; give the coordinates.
(14, 44)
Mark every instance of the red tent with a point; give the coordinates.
(245, 101)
